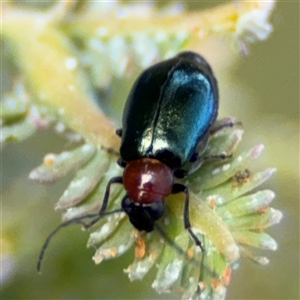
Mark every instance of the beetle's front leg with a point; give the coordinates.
(178, 188)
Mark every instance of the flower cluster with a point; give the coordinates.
(224, 214)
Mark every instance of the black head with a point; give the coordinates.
(142, 216)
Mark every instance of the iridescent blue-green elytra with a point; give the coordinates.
(169, 111)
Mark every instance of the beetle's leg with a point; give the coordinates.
(217, 126)
(181, 173)
(113, 180)
(102, 210)
(216, 157)
(220, 124)
(119, 132)
(178, 188)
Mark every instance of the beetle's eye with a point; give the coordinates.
(155, 210)
(127, 205)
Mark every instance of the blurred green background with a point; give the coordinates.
(261, 90)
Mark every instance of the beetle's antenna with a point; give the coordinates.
(67, 223)
(183, 253)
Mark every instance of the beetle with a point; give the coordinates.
(165, 127)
